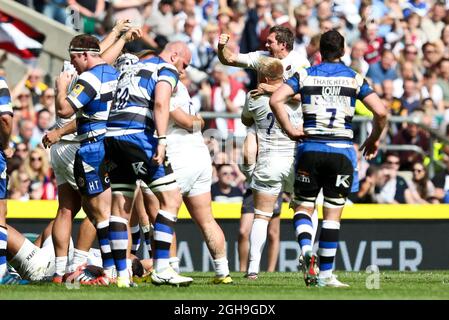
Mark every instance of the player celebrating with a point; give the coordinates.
(279, 45)
(141, 107)
(64, 145)
(91, 100)
(326, 159)
(274, 166)
(191, 163)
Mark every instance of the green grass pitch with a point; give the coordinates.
(270, 286)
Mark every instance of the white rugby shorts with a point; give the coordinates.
(194, 177)
(62, 160)
(273, 175)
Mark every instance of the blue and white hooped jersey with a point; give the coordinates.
(132, 109)
(91, 98)
(328, 94)
(5, 98)
(5, 108)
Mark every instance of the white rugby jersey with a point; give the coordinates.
(61, 122)
(292, 63)
(270, 136)
(180, 140)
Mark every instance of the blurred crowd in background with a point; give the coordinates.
(401, 46)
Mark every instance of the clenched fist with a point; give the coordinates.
(223, 40)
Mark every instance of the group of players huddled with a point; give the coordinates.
(128, 149)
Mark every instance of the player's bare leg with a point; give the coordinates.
(134, 222)
(200, 209)
(147, 216)
(274, 230)
(86, 237)
(69, 203)
(246, 222)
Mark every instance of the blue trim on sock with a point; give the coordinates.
(303, 221)
(163, 228)
(118, 235)
(121, 264)
(104, 242)
(305, 242)
(328, 245)
(108, 263)
(162, 254)
(326, 266)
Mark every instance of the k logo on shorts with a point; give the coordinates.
(342, 180)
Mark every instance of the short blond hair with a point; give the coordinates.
(271, 68)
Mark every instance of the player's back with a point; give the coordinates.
(271, 138)
(132, 108)
(328, 94)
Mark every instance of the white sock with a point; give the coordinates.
(129, 267)
(61, 265)
(79, 258)
(314, 218)
(25, 266)
(111, 272)
(221, 267)
(257, 240)
(174, 263)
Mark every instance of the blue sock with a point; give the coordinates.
(163, 237)
(304, 231)
(118, 238)
(105, 247)
(3, 245)
(328, 247)
(135, 235)
(147, 234)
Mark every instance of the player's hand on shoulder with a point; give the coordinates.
(255, 93)
(369, 148)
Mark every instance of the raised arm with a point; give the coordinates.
(225, 55)
(120, 27)
(114, 51)
(63, 107)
